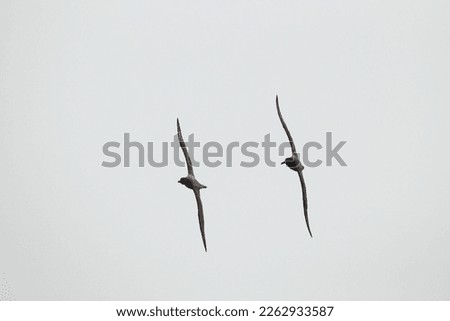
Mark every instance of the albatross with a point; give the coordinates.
(190, 182)
(294, 163)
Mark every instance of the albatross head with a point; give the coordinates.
(290, 161)
(293, 163)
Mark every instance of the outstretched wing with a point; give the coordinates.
(185, 151)
(291, 141)
(201, 220)
(305, 201)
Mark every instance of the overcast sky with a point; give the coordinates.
(75, 75)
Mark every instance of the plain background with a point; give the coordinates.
(77, 74)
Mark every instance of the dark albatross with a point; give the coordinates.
(190, 182)
(294, 163)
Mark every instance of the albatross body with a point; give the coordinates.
(294, 164)
(191, 182)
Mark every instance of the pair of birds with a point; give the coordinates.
(191, 182)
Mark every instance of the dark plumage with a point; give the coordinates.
(294, 163)
(191, 183)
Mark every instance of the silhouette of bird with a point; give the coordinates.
(294, 163)
(190, 182)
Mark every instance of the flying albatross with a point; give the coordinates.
(191, 183)
(294, 163)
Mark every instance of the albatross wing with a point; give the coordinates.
(185, 151)
(305, 200)
(201, 220)
(291, 141)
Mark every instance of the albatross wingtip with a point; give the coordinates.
(309, 229)
(178, 126)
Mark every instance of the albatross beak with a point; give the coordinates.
(283, 163)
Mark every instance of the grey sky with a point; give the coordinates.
(74, 75)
